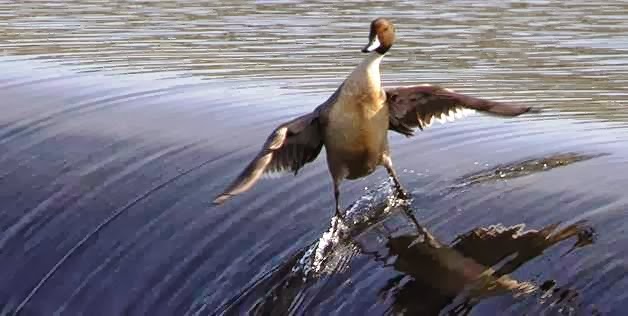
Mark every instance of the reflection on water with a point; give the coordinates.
(121, 119)
(431, 276)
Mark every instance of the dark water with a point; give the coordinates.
(119, 122)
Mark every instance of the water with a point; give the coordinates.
(122, 120)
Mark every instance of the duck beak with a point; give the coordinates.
(372, 45)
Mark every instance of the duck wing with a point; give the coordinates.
(288, 148)
(419, 106)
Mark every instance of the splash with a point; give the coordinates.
(331, 253)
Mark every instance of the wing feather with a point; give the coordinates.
(418, 106)
(288, 148)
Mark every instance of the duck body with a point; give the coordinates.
(356, 130)
(353, 123)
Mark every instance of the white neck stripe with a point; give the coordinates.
(374, 45)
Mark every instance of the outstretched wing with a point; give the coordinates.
(418, 106)
(290, 146)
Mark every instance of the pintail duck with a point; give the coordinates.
(353, 123)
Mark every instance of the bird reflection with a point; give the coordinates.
(438, 278)
(432, 278)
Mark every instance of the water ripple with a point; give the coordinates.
(121, 120)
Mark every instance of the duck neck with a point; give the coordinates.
(370, 65)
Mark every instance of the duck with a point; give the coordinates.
(353, 124)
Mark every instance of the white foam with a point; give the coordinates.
(321, 254)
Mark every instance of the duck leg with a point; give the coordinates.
(337, 198)
(338, 216)
(387, 162)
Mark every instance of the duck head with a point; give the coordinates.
(381, 37)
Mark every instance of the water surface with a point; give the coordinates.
(120, 121)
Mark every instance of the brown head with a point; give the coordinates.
(382, 36)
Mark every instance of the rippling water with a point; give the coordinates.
(120, 121)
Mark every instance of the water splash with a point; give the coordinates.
(324, 256)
